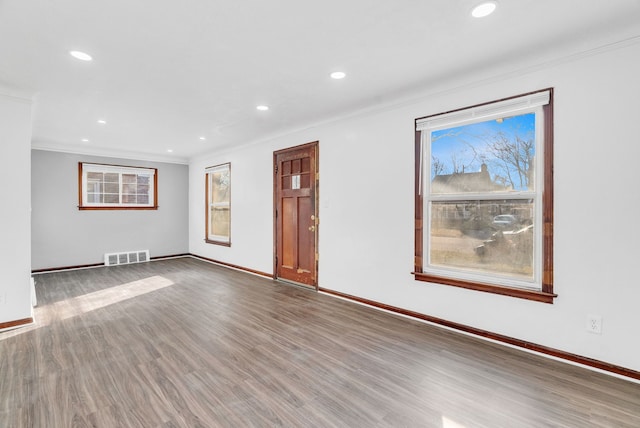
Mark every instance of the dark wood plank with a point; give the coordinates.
(185, 343)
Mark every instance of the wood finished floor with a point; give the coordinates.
(184, 343)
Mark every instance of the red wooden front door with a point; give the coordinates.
(296, 214)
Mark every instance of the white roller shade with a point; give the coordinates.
(89, 167)
(488, 111)
(217, 168)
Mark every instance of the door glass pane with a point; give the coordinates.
(295, 182)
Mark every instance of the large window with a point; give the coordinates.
(110, 187)
(218, 203)
(484, 197)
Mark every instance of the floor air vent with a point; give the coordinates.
(129, 257)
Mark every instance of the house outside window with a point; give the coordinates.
(218, 204)
(484, 197)
(116, 187)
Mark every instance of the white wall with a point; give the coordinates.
(251, 209)
(366, 207)
(15, 231)
(62, 235)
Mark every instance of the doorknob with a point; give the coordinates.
(312, 228)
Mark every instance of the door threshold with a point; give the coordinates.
(297, 284)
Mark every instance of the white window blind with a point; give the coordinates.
(217, 168)
(89, 167)
(484, 112)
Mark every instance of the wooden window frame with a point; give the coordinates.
(121, 206)
(207, 235)
(546, 293)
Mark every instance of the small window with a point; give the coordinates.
(218, 204)
(109, 187)
(484, 196)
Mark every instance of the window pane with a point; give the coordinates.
(111, 198)
(129, 188)
(94, 182)
(220, 221)
(129, 178)
(94, 187)
(95, 176)
(94, 198)
(491, 156)
(111, 177)
(220, 186)
(111, 187)
(128, 199)
(488, 236)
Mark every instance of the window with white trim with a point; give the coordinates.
(218, 203)
(111, 187)
(484, 197)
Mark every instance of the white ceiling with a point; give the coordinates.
(168, 72)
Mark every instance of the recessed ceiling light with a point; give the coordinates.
(202, 138)
(102, 121)
(85, 140)
(263, 108)
(338, 75)
(81, 55)
(484, 9)
(170, 150)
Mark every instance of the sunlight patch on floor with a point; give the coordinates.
(109, 296)
(79, 305)
(448, 423)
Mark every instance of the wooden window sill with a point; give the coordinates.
(521, 293)
(84, 208)
(224, 244)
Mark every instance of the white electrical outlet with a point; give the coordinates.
(594, 324)
(3, 298)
